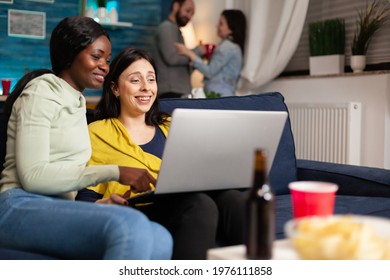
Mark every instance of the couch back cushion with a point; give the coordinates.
(284, 169)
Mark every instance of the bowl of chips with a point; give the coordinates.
(340, 237)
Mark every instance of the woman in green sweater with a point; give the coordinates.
(48, 147)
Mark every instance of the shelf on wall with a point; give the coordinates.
(118, 24)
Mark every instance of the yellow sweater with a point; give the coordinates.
(111, 144)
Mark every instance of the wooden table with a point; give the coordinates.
(282, 250)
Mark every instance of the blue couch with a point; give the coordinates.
(362, 190)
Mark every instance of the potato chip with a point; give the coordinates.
(338, 238)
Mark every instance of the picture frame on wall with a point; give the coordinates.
(26, 24)
(6, 1)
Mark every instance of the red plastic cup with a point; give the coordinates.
(209, 50)
(310, 198)
(6, 85)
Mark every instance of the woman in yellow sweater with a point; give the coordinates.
(131, 131)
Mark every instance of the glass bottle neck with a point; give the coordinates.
(260, 179)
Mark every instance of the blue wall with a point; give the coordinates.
(18, 54)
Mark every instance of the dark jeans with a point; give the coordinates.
(231, 209)
(197, 221)
(192, 220)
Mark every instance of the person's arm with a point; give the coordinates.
(91, 196)
(199, 50)
(39, 168)
(221, 57)
(52, 144)
(183, 50)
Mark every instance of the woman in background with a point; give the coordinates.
(223, 70)
(48, 147)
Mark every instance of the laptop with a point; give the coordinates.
(214, 149)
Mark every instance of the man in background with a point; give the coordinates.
(173, 70)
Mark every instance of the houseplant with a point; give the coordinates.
(368, 23)
(327, 46)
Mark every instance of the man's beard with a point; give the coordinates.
(181, 21)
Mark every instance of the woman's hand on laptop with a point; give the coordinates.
(139, 179)
(115, 198)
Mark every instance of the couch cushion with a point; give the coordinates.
(352, 180)
(284, 168)
(10, 254)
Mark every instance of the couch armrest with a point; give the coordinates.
(351, 179)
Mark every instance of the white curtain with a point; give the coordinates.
(273, 33)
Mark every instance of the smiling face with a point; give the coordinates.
(90, 66)
(136, 88)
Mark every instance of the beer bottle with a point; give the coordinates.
(260, 215)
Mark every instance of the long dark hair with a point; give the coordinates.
(236, 21)
(109, 105)
(68, 39)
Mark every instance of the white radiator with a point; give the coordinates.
(327, 132)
